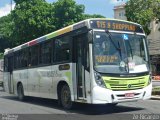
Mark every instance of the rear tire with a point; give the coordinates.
(65, 97)
(20, 92)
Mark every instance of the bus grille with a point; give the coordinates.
(118, 84)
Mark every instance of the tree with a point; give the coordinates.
(4, 43)
(87, 16)
(67, 12)
(142, 12)
(1, 55)
(5, 32)
(157, 11)
(32, 19)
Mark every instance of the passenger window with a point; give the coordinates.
(62, 49)
(34, 55)
(25, 58)
(45, 53)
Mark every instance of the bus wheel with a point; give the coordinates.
(20, 92)
(65, 97)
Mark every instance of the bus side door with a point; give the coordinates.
(80, 52)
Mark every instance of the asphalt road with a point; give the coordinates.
(45, 109)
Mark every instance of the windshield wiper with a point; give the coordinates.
(117, 48)
(127, 61)
(130, 48)
(120, 52)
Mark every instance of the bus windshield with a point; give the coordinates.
(119, 53)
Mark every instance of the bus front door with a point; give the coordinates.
(79, 57)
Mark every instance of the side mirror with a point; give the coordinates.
(90, 36)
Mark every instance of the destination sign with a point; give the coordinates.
(116, 25)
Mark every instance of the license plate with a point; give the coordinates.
(129, 95)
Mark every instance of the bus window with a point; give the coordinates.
(16, 60)
(24, 59)
(62, 49)
(45, 53)
(34, 55)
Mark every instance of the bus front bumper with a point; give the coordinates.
(102, 95)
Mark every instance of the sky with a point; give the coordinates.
(103, 7)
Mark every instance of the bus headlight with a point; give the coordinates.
(99, 80)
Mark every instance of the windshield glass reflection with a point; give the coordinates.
(119, 53)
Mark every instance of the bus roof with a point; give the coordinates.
(62, 31)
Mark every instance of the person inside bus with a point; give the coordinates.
(97, 49)
(102, 45)
(105, 48)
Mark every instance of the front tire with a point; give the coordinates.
(65, 97)
(20, 92)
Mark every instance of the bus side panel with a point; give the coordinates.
(44, 80)
(62, 72)
(6, 77)
(34, 82)
(20, 76)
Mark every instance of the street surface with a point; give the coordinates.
(46, 108)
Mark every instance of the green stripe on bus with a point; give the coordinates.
(122, 83)
(52, 35)
(68, 74)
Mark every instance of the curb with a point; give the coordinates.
(156, 97)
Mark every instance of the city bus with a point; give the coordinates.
(95, 61)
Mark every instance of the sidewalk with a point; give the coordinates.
(155, 93)
(155, 97)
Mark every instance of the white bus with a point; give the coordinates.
(95, 61)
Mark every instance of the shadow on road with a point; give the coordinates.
(86, 109)
(104, 109)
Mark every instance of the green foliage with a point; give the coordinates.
(156, 9)
(5, 32)
(6, 26)
(67, 12)
(4, 43)
(142, 12)
(1, 55)
(32, 18)
(87, 16)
